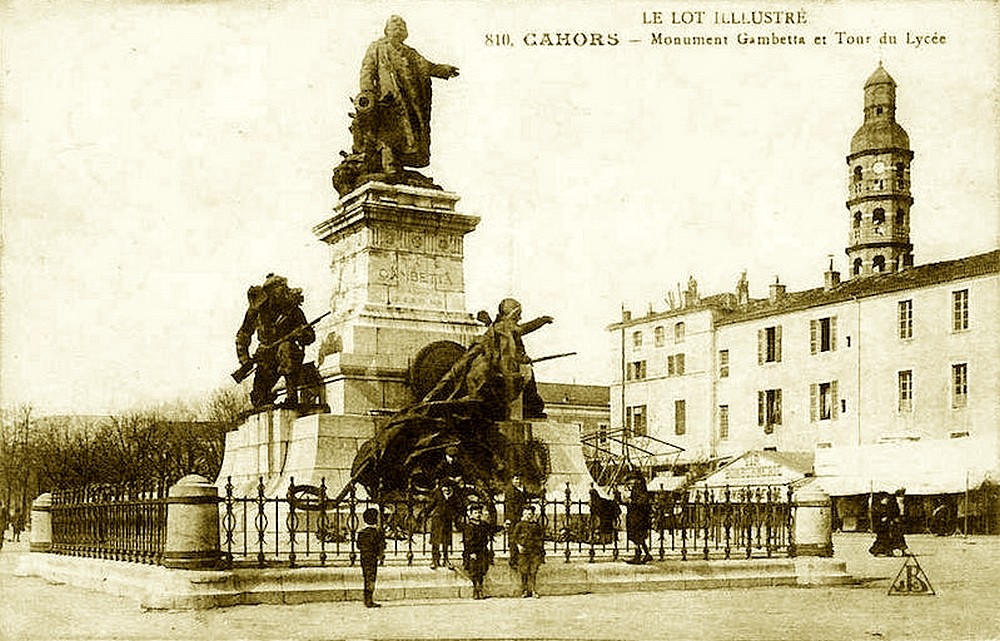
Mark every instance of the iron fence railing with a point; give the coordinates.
(305, 527)
(122, 522)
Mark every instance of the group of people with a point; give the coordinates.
(12, 519)
(478, 528)
(887, 524)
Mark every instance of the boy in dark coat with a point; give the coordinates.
(442, 510)
(528, 539)
(477, 535)
(638, 521)
(371, 545)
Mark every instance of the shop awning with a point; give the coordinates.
(923, 467)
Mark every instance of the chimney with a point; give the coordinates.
(626, 315)
(776, 291)
(831, 278)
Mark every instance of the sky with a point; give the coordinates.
(158, 158)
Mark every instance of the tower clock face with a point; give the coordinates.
(879, 167)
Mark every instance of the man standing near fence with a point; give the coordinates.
(371, 545)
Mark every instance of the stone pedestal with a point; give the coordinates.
(192, 539)
(41, 524)
(812, 517)
(398, 284)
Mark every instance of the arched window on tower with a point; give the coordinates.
(901, 175)
(857, 178)
(900, 219)
(857, 224)
(878, 220)
(857, 266)
(878, 264)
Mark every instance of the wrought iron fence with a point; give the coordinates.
(125, 522)
(306, 527)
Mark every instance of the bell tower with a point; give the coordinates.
(879, 198)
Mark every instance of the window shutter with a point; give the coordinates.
(813, 336)
(777, 407)
(833, 333)
(761, 409)
(813, 402)
(761, 346)
(835, 410)
(777, 343)
(680, 364)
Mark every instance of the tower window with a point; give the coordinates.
(878, 264)
(857, 176)
(878, 111)
(857, 266)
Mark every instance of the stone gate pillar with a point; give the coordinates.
(812, 526)
(41, 524)
(192, 541)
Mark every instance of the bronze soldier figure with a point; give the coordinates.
(275, 316)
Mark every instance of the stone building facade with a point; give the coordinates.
(889, 376)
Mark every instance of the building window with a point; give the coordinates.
(636, 371)
(723, 422)
(823, 404)
(769, 409)
(960, 310)
(769, 345)
(637, 339)
(658, 336)
(823, 335)
(679, 332)
(905, 390)
(905, 319)
(680, 417)
(723, 363)
(959, 385)
(602, 433)
(878, 264)
(635, 420)
(675, 365)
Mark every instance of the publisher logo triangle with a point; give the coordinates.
(911, 580)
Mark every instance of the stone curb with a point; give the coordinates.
(157, 587)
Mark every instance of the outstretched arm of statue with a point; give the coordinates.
(243, 337)
(443, 71)
(532, 325)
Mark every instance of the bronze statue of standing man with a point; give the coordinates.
(399, 80)
(392, 121)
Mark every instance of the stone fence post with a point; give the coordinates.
(192, 541)
(812, 521)
(41, 524)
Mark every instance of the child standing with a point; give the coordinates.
(371, 545)
(528, 539)
(477, 535)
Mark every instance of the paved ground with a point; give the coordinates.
(963, 572)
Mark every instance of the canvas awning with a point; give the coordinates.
(923, 467)
(758, 468)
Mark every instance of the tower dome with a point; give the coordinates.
(880, 129)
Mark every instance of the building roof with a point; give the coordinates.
(879, 76)
(572, 394)
(866, 286)
(727, 311)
